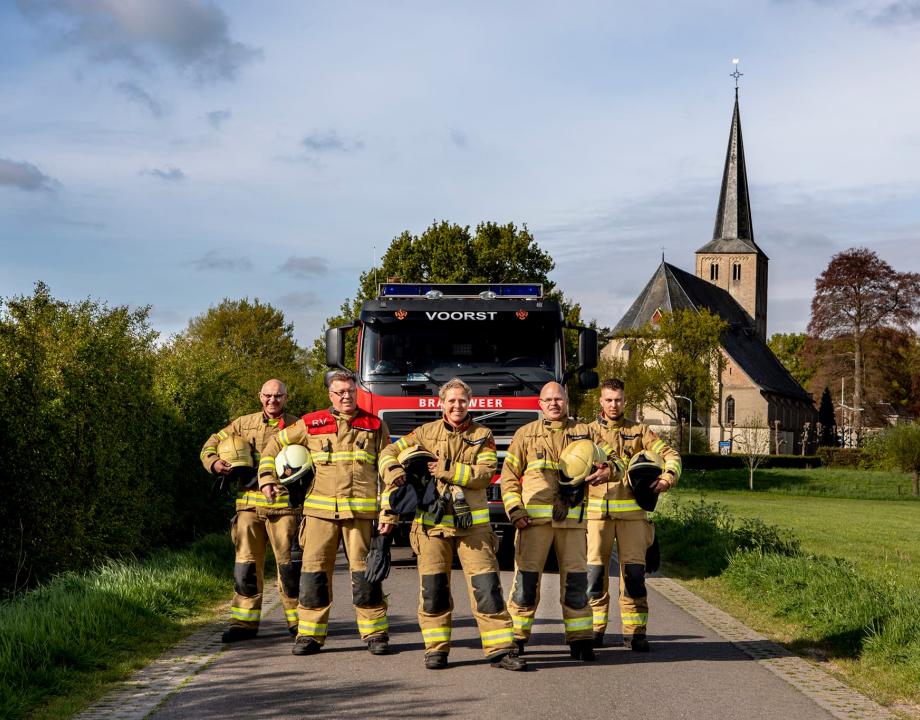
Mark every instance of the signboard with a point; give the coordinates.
(725, 447)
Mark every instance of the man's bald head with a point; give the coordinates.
(554, 402)
(273, 397)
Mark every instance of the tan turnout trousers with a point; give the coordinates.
(316, 577)
(476, 552)
(251, 531)
(531, 547)
(633, 538)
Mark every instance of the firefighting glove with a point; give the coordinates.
(378, 559)
(517, 513)
(463, 514)
(560, 509)
(440, 506)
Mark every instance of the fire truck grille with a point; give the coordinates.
(503, 424)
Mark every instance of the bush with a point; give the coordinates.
(840, 457)
(95, 460)
(701, 537)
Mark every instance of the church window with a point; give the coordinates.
(736, 272)
(730, 410)
(713, 271)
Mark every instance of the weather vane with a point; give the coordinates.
(736, 74)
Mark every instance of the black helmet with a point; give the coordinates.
(644, 469)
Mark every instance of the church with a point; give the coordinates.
(730, 280)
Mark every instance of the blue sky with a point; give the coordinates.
(176, 152)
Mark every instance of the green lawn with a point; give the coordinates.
(877, 536)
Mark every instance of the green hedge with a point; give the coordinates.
(734, 462)
(99, 439)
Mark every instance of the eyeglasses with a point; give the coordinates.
(269, 396)
(548, 401)
(343, 393)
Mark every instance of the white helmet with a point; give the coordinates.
(293, 463)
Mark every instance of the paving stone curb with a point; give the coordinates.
(838, 699)
(146, 689)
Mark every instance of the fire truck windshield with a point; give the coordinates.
(442, 349)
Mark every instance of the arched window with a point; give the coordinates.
(713, 271)
(736, 272)
(730, 410)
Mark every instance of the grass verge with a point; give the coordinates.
(865, 625)
(62, 644)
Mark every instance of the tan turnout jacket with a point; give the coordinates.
(530, 474)
(345, 450)
(258, 430)
(621, 440)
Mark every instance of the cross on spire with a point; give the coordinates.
(737, 75)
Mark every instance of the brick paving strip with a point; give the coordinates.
(838, 699)
(139, 696)
(145, 690)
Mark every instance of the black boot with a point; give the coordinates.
(582, 650)
(235, 633)
(636, 643)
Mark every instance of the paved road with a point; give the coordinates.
(692, 672)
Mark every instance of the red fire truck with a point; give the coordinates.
(504, 340)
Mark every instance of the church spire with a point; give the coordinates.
(732, 260)
(733, 219)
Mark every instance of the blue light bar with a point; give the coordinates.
(458, 290)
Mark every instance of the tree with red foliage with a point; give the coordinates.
(857, 293)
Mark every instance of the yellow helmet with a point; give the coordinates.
(644, 469)
(293, 463)
(577, 461)
(236, 451)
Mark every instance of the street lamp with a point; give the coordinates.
(690, 436)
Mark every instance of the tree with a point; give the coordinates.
(680, 355)
(753, 439)
(450, 253)
(790, 351)
(240, 344)
(857, 293)
(827, 420)
(901, 445)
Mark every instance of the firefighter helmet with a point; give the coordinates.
(235, 450)
(577, 461)
(293, 463)
(415, 461)
(644, 469)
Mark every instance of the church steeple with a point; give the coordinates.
(733, 219)
(732, 260)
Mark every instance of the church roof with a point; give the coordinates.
(673, 289)
(734, 229)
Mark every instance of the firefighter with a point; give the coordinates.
(344, 443)
(456, 522)
(260, 517)
(614, 515)
(536, 507)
